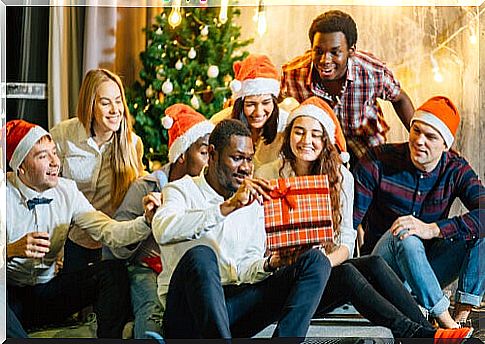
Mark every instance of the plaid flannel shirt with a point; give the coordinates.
(387, 186)
(361, 117)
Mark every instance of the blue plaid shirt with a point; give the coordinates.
(388, 185)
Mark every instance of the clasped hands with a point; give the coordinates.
(151, 202)
(405, 226)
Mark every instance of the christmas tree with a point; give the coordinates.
(190, 63)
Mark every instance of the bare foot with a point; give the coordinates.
(462, 311)
(446, 321)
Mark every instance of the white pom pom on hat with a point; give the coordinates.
(235, 86)
(167, 122)
(345, 156)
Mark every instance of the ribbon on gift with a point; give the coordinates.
(288, 195)
(282, 192)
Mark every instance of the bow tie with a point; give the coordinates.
(31, 203)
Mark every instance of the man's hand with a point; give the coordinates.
(151, 202)
(276, 260)
(249, 191)
(405, 226)
(31, 245)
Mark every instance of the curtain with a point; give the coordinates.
(65, 62)
(114, 38)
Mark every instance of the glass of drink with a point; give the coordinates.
(39, 262)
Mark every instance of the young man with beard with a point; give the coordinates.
(350, 81)
(41, 208)
(188, 144)
(403, 196)
(216, 281)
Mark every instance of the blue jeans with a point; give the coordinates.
(198, 306)
(14, 327)
(144, 300)
(426, 266)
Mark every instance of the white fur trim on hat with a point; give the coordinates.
(319, 114)
(251, 87)
(25, 145)
(183, 142)
(435, 122)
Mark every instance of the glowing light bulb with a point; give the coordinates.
(473, 36)
(438, 77)
(223, 12)
(175, 17)
(262, 23)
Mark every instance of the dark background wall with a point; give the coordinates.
(27, 59)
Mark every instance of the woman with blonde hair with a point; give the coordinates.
(313, 143)
(100, 152)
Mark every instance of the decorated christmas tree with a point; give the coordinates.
(187, 63)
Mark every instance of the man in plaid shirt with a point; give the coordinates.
(403, 196)
(349, 80)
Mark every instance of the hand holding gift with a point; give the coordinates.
(250, 190)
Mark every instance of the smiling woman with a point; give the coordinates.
(255, 90)
(99, 150)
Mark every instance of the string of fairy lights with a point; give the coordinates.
(471, 28)
(175, 19)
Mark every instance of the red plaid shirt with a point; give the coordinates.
(360, 115)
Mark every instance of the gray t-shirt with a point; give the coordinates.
(132, 207)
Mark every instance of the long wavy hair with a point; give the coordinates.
(270, 128)
(125, 162)
(328, 162)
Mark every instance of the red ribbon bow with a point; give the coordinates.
(282, 192)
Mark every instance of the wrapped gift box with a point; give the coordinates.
(299, 213)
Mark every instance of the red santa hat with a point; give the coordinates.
(318, 109)
(253, 76)
(185, 126)
(440, 113)
(21, 137)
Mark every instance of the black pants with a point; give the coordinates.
(104, 284)
(378, 294)
(198, 306)
(77, 257)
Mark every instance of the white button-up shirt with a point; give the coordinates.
(68, 206)
(191, 216)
